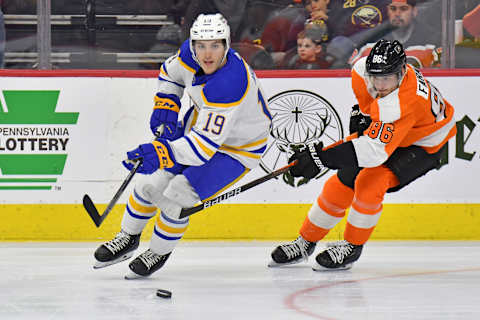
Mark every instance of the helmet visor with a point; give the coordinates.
(384, 84)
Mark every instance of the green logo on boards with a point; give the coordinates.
(33, 139)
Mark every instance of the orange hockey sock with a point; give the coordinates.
(370, 188)
(328, 210)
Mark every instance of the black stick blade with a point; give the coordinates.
(92, 210)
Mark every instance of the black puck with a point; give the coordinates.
(162, 293)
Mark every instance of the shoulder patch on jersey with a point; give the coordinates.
(229, 85)
(186, 59)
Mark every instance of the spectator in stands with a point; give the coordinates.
(255, 55)
(471, 22)
(467, 52)
(318, 9)
(349, 17)
(280, 33)
(257, 14)
(421, 42)
(310, 51)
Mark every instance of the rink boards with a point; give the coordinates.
(62, 137)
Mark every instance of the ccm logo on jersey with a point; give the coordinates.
(223, 197)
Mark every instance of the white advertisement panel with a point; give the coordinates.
(63, 137)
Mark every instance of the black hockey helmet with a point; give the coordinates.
(386, 57)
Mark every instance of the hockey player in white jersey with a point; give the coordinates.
(220, 138)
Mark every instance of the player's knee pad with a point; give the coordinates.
(180, 191)
(336, 193)
(151, 187)
(371, 184)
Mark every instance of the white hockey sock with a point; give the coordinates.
(167, 233)
(137, 213)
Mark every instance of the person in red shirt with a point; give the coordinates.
(471, 22)
(399, 133)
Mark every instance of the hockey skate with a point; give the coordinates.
(146, 264)
(116, 250)
(290, 253)
(338, 256)
(336, 243)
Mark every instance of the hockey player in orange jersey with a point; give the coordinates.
(402, 125)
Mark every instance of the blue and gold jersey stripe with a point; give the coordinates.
(219, 90)
(185, 58)
(209, 141)
(244, 153)
(265, 110)
(194, 149)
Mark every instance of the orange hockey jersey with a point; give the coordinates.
(413, 114)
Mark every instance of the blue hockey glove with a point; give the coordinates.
(165, 111)
(155, 155)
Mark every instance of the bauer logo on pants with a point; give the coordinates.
(33, 139)
(299, 118)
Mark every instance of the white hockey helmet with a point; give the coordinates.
(210, 27)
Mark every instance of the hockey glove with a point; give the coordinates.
(165, 111)
(358, 121)
(155, 155)
(309, 163)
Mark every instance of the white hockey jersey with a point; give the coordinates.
(229, 112)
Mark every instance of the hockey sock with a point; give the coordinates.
(167, 233)
(370, 188)
(327, 211)
(137, 213)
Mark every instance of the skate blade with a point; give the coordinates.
(99, 264)
(132, 276)
(273, 264)
(317, 267)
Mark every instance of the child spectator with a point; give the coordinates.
(280, 32)
(310, 51)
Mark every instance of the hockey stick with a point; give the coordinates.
(92, 210)
(224, 196)
(90, 206)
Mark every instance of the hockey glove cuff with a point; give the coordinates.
(309, 164)
(165, 111)
(155, 155)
